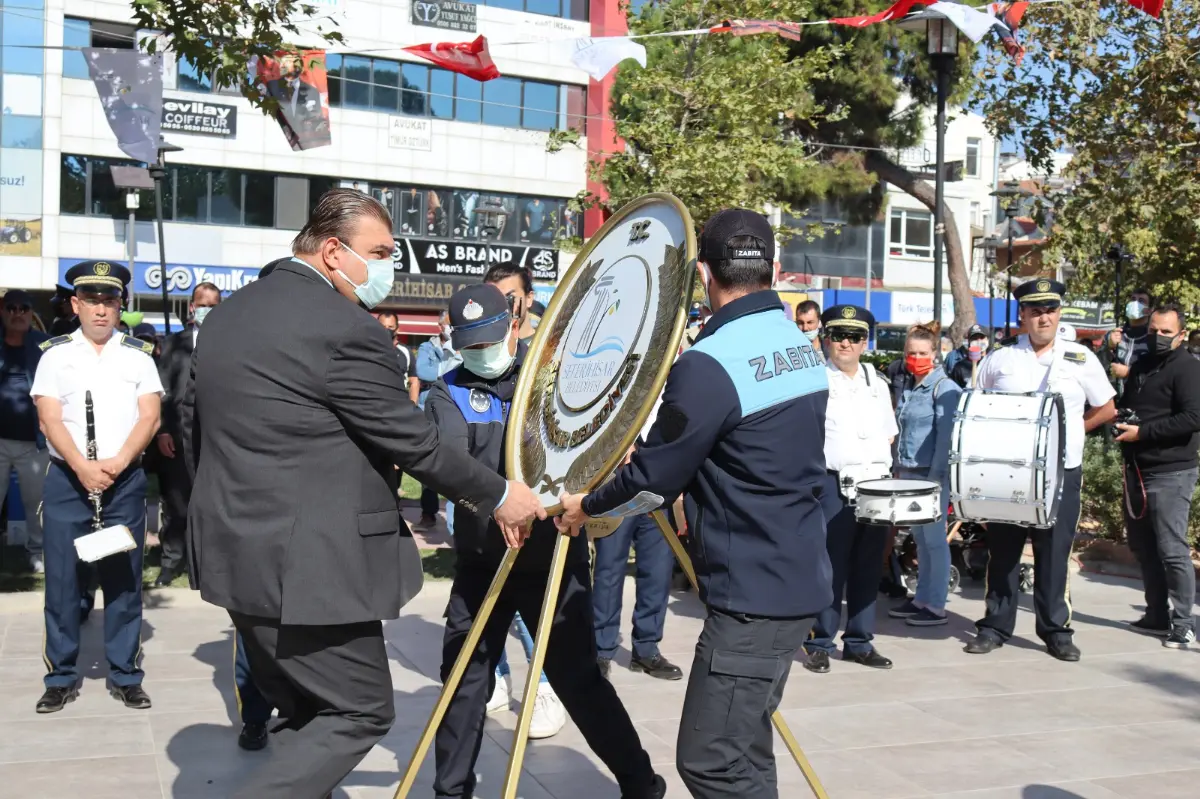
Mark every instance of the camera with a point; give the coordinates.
(1126, 416)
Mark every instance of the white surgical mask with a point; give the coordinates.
(380, 274)
(813, 334)
(446, 332)
(489, 362)
(1135, 309)
(199, 314)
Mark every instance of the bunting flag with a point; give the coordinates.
(973, 23)
(1010, 14)
(1151, 7)
(896, 11)
(130, 86)
(597, 57)
(750, 27)
(466, 58)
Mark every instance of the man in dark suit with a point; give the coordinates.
(174, 476)
(300, 420)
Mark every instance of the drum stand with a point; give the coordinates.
(549, 605)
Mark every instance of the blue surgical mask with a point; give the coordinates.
(1135, 309)
(489, 362)
(380, 274)
(199, 314)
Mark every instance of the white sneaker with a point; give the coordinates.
(549, 715)
(501, 695)
(35, 563)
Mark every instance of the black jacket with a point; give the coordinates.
(300, 420)
(741, 428)
(1165, 394)
(471, 414)
(175, 372)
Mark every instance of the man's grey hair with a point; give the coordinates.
(336, 216)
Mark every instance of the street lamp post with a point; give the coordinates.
(132, 179)
(158, 171)
(942, 39)
(990, 245)
(1012, 192)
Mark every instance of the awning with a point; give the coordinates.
(417, 324)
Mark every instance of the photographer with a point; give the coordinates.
(1160, 429)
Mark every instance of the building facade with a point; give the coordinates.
(462, 165)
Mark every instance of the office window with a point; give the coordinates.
(225, 203)
(976, 214)
(86, 33)
(22, 27)
(911, 234)
(513, 5)
(574, 100)
(467, 93)
(259, 199)
(73, 185)
(441, 94)
(540, 108)
(21, 132)
(551, 8)
(356, 82)
(192, 80)
(409, 222)
(333, 70)
(385, 89)
(974, 152)
(502, 102)
(415, 98)
(191, 191)
(317, 188)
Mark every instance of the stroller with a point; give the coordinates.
(968, 556)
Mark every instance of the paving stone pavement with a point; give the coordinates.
(1016, 724)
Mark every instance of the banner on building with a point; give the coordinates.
(200, 117)
(1089, 314)
(915, 307)
(130, 86)
(471, 259)
(298, 82)
(449, 15)
(181, 278)
(410, 133)
(20, 201)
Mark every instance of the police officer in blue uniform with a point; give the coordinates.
(740, 431)
(119, 374)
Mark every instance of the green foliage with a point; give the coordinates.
(710, 119)
(221, 37)
(880, 359)
(1120, 88)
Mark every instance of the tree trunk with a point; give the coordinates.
(960, 286)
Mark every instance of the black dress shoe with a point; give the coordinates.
(818, 662)
(55, 699)
(165, 577)
(605, 665)
(1064, 650)
(131, 695)
(657, 666)
(870, 658)
(981, 645)
(656, 790)
(253, 737)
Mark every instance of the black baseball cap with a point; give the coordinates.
(18, 297)
(478, 315)
(731, 223)
(976, 331)
(145, 331)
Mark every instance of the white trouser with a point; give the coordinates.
(31, 464)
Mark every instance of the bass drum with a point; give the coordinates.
(1006, 457)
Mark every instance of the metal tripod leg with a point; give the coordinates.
(545, 620)
(456, 673)
(785, 732)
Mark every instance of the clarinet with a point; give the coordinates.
(91, 455)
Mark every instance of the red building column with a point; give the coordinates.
(608, 19)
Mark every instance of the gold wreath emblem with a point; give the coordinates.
(1043, 285)
(847, 313)
(101, 269)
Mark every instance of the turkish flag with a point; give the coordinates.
(466, 58)
(1151, 7)
(893, 13)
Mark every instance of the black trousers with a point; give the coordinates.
(333, 690)
(1051, 570)
(856, 554)
(570, 667)
(741, 666)
(175, 483)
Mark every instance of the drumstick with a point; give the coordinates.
(953, 532)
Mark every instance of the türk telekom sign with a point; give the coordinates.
(469, 259)
(200, 117)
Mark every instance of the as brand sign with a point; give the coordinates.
(199, 117)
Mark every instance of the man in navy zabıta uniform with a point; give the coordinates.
(741, 431)
(126, 393)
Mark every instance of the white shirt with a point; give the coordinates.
(116, 376)
(859, 420)
(1070, 369)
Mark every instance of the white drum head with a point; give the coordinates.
(895, 487)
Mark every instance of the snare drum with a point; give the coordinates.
(1006, 457)
(898, 503)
